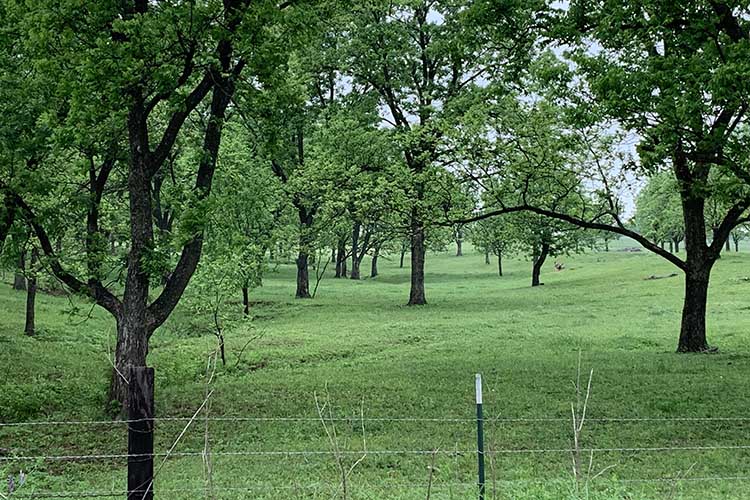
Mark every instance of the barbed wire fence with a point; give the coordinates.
(346, 460)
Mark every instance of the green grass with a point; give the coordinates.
(357, 347)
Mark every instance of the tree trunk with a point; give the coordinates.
(698, 264)
(499, 263)
(403, 253)
(538, 263)
(727, 245)
(340, 259)
(676, 246)
(416, 293)
(693, 327)
(736, 245)
(486, 257)
(374, 263)
(245, 301)
(19, 280)
(671, 247)
(355, 251)
(29, 328)
(303, 276)
(459, 249)
(606, 245)
(131, 351)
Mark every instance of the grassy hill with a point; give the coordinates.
(360, 351)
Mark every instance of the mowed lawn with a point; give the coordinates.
(679, 428)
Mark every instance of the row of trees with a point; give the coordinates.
(139, 137)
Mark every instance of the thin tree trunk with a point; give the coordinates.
(727, 245)
(340, 259)
(245, 301)
(671, 247)
(355, 251)
(403, 253)
(487, 257)
(606, 245)
(676, 246)
(29, 328)
(19, 280)
(374, 263)
(538, 263)
(459, 248)
(736, 245)
(499, 263)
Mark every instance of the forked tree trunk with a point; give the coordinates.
(29, 327)
(416, 293)
(538, 263)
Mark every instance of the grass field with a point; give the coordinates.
(361, 352)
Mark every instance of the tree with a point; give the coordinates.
(658, 211)
(135, 73)
(494, 236)
(425, 59)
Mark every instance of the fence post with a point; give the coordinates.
(480, 435)
(141, 433)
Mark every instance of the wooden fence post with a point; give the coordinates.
(141, 433)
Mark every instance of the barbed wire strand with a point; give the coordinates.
(501, 451)
(497, 419)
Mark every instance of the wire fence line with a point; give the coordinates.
(370, 419)
(277, 453)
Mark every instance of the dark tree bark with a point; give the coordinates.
(459, 242)
(487, 257)
(401, 259)
(245, 301)
(30, 326)
(606, 244)
(19, 279)
(355, 251)
(736, 245)
(727, 246)
(538, 263)
(693, 325)
(677, 245)
(416, 292)
(500, 263)
(671, 247)
(374, 263)
(341, 259)
(303, 276)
